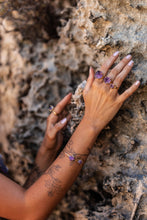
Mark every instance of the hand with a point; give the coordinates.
(102, 101)
(53, 138)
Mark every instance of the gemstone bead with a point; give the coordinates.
(80, 161)
(71, 158)
(107, 80)
(51, 107)
(112, 86)
(98, 75)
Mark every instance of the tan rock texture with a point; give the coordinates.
(46, 48)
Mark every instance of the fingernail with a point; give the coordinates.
(116, 53)
(63, 120)
(128, 56)
(90, 69)
(137, 83)
(69, 94)
(130, 63)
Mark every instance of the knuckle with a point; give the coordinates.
(115, 71)
(104, 88)
(108, 63)
(127, 69)
(118, 68)
(48, 135)
(123, 62)
(96, 83)
(119, 79)
(57, 126)
(51, 135)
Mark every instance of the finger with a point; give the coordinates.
(63, 114)
(62, 104)
(120, 78)
(59, 108)
(68, 119)
(129, 91)
(89, 80)
(106, 66)
(61, 124)
(119, 67)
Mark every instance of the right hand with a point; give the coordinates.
(102, 102)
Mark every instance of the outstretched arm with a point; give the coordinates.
(102, 102)
(51, 143)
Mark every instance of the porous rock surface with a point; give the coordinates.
(46, 49)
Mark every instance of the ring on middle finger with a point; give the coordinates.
(107, 80)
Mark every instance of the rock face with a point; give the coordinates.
(46, 50)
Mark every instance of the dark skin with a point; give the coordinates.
(50, 146)
(101, 104)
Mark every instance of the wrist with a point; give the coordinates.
(44, 158)
(94, 127)
(44, 152)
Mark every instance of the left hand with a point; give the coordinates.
(53, 138)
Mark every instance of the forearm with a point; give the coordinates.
(12, 199)
(38, 201)
(43, 160)
(33, 176)
(54, 183)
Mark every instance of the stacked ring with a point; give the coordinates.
(99, 75)
(51, 110)
(107, 80)
(113, 86)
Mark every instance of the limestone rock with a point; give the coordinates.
(8, 25)
(46, 50)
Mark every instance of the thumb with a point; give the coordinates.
(61, 124)
(89, 80)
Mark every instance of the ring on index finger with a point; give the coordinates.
(99, 75)
(51, 110)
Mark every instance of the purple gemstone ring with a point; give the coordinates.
(113, 86)
(99, 75)
(51, 109)
(107, 80)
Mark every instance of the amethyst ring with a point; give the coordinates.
(51, 109)
(107, 80)
(113, 86)
(99, 75)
